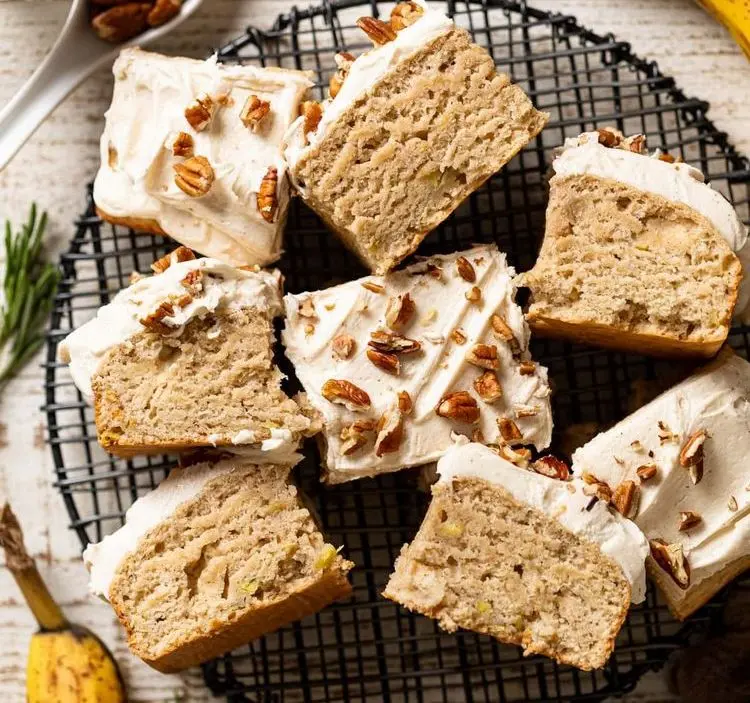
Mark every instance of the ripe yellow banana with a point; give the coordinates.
(67, 663)
(735, 16)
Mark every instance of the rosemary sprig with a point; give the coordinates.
(29, 287)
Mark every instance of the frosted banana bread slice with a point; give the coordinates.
(683, 459)
(192, 149)
(397, 365)
(637, 253)
(524, 558)
(413, 127)
(184, 358)
(216, 556)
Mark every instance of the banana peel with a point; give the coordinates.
(735, 16)
(67, 662)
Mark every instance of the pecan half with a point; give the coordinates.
(405, 14)
(488, 387)
(552, 467)
(379, 32)
(465, 269)
(509, 430)
(313, 113)
(625, 499)
(345, 393)
(483, 355)
(194, 176)
(671, 558)
(122, 22)
(399, 310)
(200, 112)
(459, 405)
(163, 11)
(405, 404)
(183, 145)
(393, 343)
(691, 455)
(254, 111)
(343, 346)
(268, 202)
(174, 257)
(390, 433)
(688, 519)
(386, 361)
(646, 471)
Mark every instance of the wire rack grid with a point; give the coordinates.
(368, 649)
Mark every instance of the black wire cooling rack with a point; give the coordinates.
(368, 648)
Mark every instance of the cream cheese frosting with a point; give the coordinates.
(717, 400)
(366, 71)
(566, 501)
(441, 309)
(223, 286)
(136, 177)
(677, 182)
(103, 558)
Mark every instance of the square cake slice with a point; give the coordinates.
(638, 252)
(683, 456)
(216, 556)
(192, 149)
(413, 127)
(183, 359)
(526, 559)
(397, 365)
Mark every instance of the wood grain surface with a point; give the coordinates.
(63, 155)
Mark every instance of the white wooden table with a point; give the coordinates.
(63, 155)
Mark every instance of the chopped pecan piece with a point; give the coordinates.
(390, 433)
(307, 308)
(522, 411)
(254, 111)
(458, 336)
(345, 393)
(466, 269)
(200, 112)
(399, 311)
(174, 257)
(373, 287)
(664, 156)
(183, 145)
(488, 387)
(665, 434)
(268, 202)
(193, 282)
(595, 487)
(386, 361)
(194, 176)
(609, 137)
(552, 467)
(473, 295)
(671, 558)
(527, 368)
(343, 346)
(379, 32)
(518, 456)
(313, 113)
(635, 143)
(484, 356)
(153, 321)
(163, 11)
(691, 455)
(688, 519)
(405, 14)
(459, 405)
(509, 430)
(405, 404)
(393, 343)
(505, 333)
(344, 61)
(646, 471)
(122, 22)
(625, 499)
(356, 436)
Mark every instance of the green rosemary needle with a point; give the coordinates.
(29, 287)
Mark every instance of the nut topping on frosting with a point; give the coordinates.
(194, 176)
(343, 346)
(688, 519)
(625, 499)
(488, 387)
(527, 368)
(345, 393)
(379, 32)
(390, 433)
(691, 455)
(505, 333)
(356, 436)
(163, 11)
(552, 467)
(665, 434)
(670, 557)
(646, 472)
(399, 311)
(313, 113)
(393, 343)
(459, 405)
(609, 137)
(174, 257)
(254, 112)
(386, 361)
(465, 269)
(509, 430)
(344, 61)
(484, 356)
(268, 202)
(474, 295)
(200, 112)
(373, 287)
(183, 145)
(458, 336)
(405, 404)
(405, 14)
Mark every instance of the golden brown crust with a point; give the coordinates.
(333, 586)
(140, 224)
(623, 340)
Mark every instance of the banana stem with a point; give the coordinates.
(22, 566)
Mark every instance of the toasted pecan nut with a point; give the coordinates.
(460, 406)
(174, 257)
(343, 346)
(313, 113)
(609, 137)
(379, 32)
(552, 467)
(183, 145)
(466, 269)
(625, 499)
(385, 361)
(671, 558)
(688, 519)
(254, 111)
(646, 472)
(268, 202)
(200, 112)
(194, 176)
(122, 22)
(345, 393)
(163, 11)
(405, 404)
(399, 311)
(509, 430)
(394, 343)
(390, 433)
(484, 356)
(405, 14)
(488, 387)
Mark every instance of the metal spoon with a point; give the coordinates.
(76, 54)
